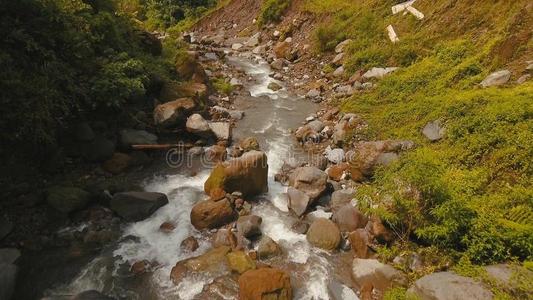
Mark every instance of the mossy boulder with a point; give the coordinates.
(67, 199)
(247, 174)
(240, 262)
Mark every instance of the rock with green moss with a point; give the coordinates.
(67, 199)
(240, 262)
(247, 174)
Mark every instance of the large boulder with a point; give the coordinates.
(249, 226)
(449, 286)
(310, 180)
(247, 174)
(196, 124)
(221, 130)
(265, 283)
(497, 78)
(324, 234)
(368, 155)
(380, 275)
(137, 206)
(349, 218)
(340, 198)
(298, 201)
(172, 91)
(67, 199)
(173, 112)
(213, 262)
(212, 214)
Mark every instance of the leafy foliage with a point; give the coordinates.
(272, 10)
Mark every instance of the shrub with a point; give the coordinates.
(272, 10)
(222, 86)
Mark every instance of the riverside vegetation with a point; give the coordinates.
(448, 206)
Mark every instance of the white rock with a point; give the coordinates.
(288, 40)
(378, 72)
(222, 130)
(497, 78)
(236, 46)
(340, 46)
(335, 156)
(338, 58)
(392, 34)
(314, 93)
(276, 33)
(235, 82)
(339, 72)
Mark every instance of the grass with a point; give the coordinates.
(222, 86)
(272, 10)
(470, 194)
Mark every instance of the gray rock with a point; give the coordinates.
(349, 218)
(130, 137)
(340, 198)
(387, 158)
(67, 199)
(340, 46)
(254, 40)
(337, 59)
(234, 114)
(211, 56)
(196, 124)
(503, 273)
(298, 201)
(235, 82)
(382, 276)
(367, 85)
(310, 180)
(357, 86)
(339, 72)
(339, 291)
(448, 286)
(345, 90)
(259, 49)
(236, 46)
(434, 131)
(497, 78)
(335, 156)
(378, 73)
(222, 130)
(137, 206)
(249, 226)
(314, 93)
(316, 125)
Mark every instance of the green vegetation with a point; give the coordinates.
(272, 10)
(65, 60)
(469, 194)
(222, 86)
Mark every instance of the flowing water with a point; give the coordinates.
(269, 116)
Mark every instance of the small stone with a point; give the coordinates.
(189, 244)
(167, 227)
(274, 86)
(434, 131)
(339, 72)
(300, 227)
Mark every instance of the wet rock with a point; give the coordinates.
(265, 283)
(190, 244)
(173, 112)
(434, 131)
(359, 241)
(196, 124)
(319, 213)
(254, 40)
(140, 267)
(298, 201)
(221, 130)
(249, 144)
(324, 234)
(340, 198)
(338, 291)
(167, 227)
(213, 261)
(367, 155)
(224, 237)
(342, 45)
(208, 214)
(448, 286)
(247, 174)
(300, 227)
(98, 150)
(223, 287)
(497, 78)
(91, 295)
(349, 218)
(339, 72)
(274, 86)
(215, 153)
(118, 163)
(234, 114)
(310, 180)
(381, 276)
(378, 73)
(267, 248)
(249, 226)
(137, 206)
(67, 199)
(240, 262)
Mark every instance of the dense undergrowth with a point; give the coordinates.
(65, 60)
(471, 193)
(272, 10)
